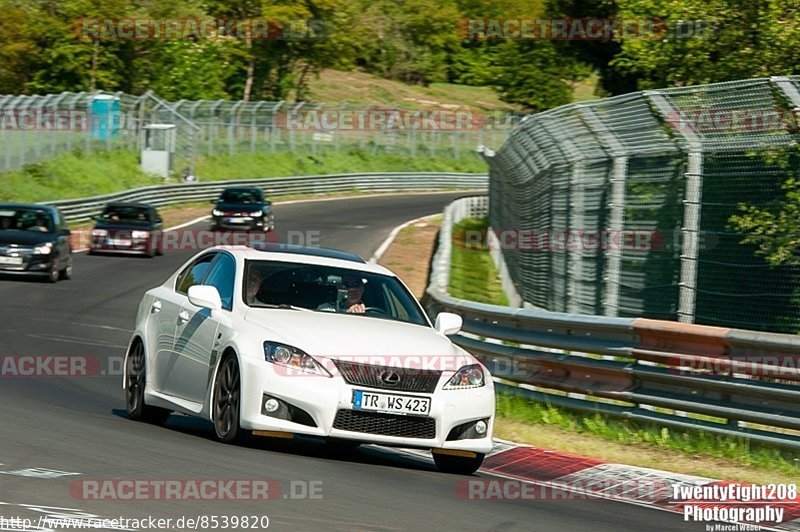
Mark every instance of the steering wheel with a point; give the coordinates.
(376, 310)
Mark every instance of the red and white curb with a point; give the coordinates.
(624, 483)
(559, 476)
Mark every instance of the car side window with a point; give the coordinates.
(60, 223)
(221, 277)
(194, 273)
(396, 308)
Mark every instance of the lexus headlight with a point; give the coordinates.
(44, 249)
(467, 377)
(291, 357)
(216, 212)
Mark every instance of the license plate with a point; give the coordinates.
(14, 261)
(121, 242)
(234, 220)
(391, 403)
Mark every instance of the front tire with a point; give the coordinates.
(66, 273)
(54, 275)
(227, 402)
(134, 390)
(458, 465)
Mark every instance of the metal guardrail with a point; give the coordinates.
(683, 376)
(81, 209)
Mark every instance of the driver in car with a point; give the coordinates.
(355, 290)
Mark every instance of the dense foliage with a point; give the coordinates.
(45, 48)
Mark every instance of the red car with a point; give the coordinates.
(128, 228)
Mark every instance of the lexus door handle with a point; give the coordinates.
(183, 317)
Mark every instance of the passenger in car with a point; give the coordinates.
(254, 280)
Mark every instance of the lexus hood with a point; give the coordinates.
(360, 339)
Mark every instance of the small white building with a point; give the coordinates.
(158, 148)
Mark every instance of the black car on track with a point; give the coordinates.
(242, 208)
(129, 228)
(34, 240)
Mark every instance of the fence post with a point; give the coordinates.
(232, 127)
(690, 232)
(788, 88)
(690, 248)
(619, 176)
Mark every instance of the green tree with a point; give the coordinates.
(598, 54)
(194, 70)
(18, 48)
(707, 41)
(534, 75)
(472, 62)
(408, 41)
(775, 228)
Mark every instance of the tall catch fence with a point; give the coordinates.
(35, 128)
(622, 206)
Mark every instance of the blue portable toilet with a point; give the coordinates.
(104, 117)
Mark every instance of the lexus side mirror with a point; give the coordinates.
(448, 323)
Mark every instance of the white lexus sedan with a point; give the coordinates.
(286, 340)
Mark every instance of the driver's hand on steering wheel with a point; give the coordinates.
(358, 308)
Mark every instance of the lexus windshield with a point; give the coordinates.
(274, 284)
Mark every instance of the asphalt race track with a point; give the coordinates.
(78, 424)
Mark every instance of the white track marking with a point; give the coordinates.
(38, 472)
(393, 235)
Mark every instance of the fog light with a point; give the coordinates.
(480, 427)
(271, 405)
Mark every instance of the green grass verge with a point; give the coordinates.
(75, 175)
(608, 428)
(473, 275)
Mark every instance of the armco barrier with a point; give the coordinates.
(81, 209)
(678, 375)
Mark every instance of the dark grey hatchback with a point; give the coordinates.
(34, 240)
(242, 208)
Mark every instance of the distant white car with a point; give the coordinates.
(293, 340)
